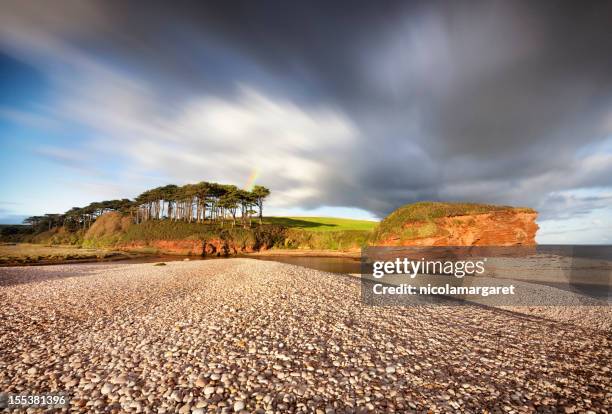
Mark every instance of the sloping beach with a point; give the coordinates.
(242, 335)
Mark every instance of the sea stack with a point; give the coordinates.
(457, 224)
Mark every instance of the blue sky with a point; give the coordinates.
(338, 114)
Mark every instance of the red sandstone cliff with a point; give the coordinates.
(215, 247)
(501, 226)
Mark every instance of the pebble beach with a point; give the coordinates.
(250, 336)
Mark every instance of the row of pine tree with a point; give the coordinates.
(194, 203)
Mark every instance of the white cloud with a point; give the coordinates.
(291, 148)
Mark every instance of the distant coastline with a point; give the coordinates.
(118, 235)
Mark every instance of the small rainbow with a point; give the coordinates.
(251, 180)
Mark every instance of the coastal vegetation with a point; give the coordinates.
(213, 219)
(15, 232)
(199, 203)
(192, 203)
(112, 229)
(115, 229)
(326, 240)
(207, 212)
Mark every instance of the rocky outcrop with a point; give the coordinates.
(499, 226)
(213, 247)
(178, 247)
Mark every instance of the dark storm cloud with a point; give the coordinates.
(444, 93)
(504, 102)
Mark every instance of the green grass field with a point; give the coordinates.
(320, 224)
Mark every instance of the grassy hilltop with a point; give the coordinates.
(319, 224)
(323, 233)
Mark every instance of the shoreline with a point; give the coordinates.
(305, 253)
(29, 254)
(113, 255)
(118, 258)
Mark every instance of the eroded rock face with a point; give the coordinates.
(182, 247)
(213, 247)
(497, 228)
(179, 247)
